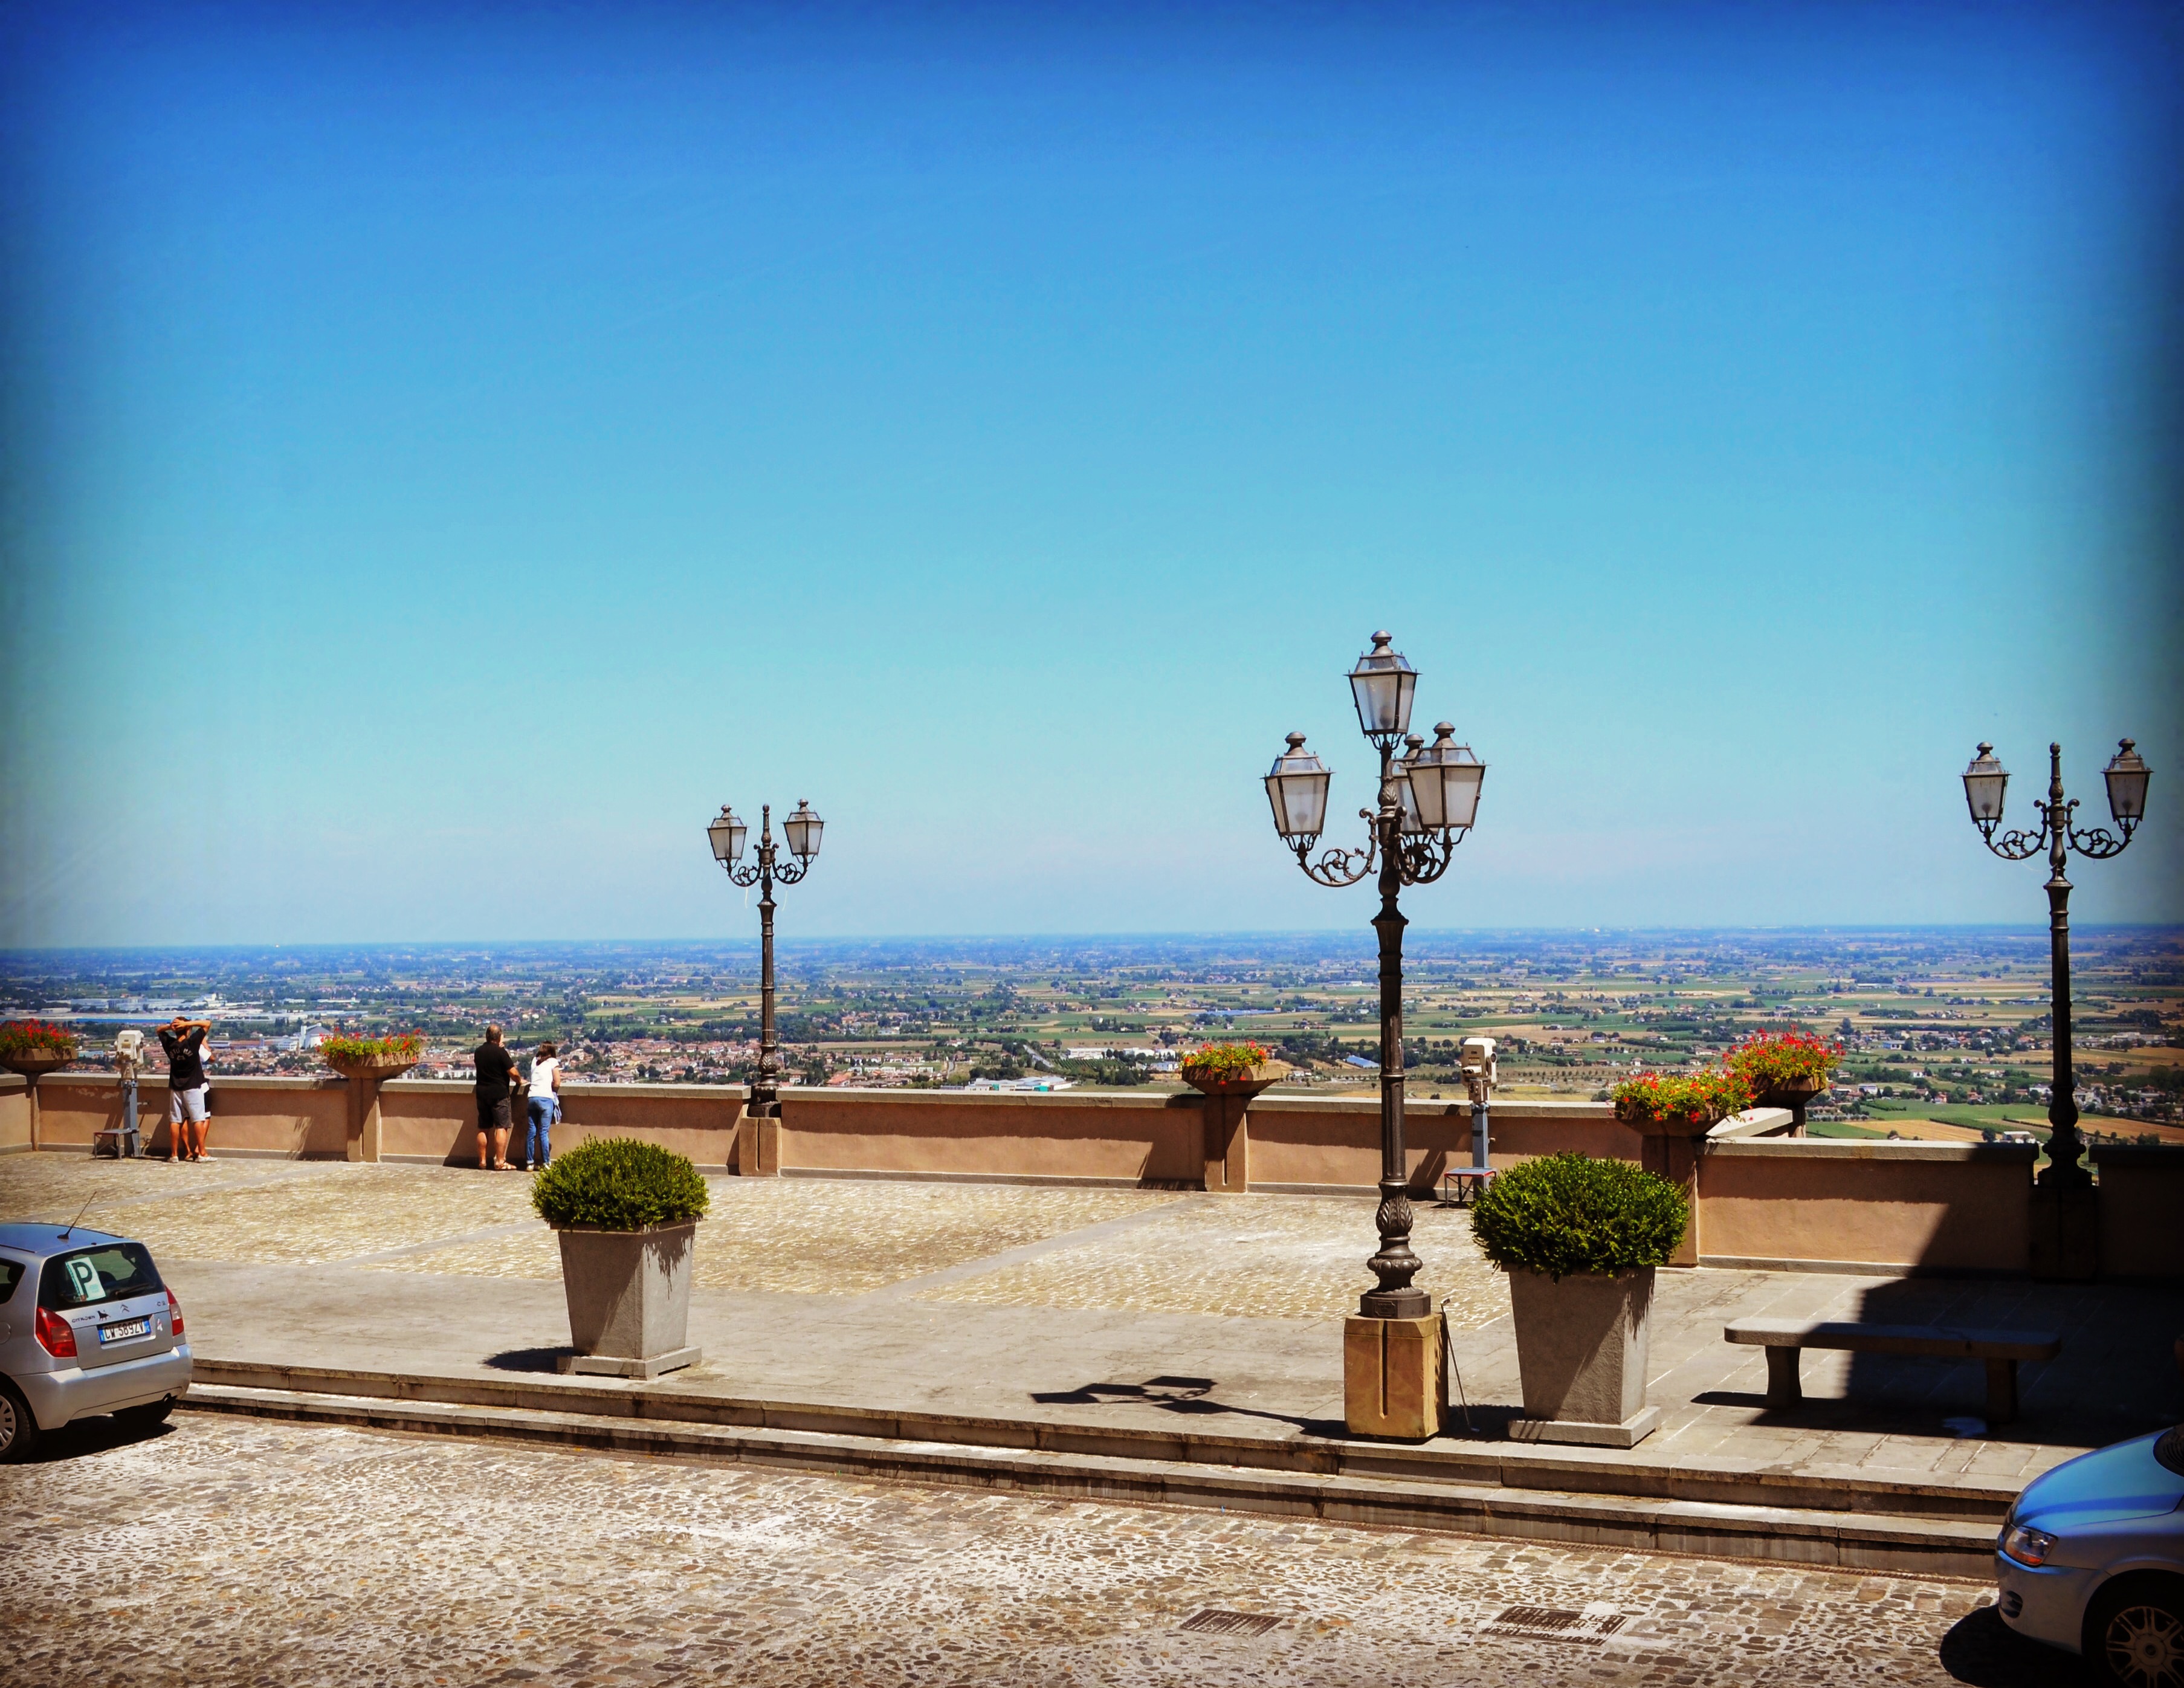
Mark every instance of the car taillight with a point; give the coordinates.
(174, 1312)
(56, 1335)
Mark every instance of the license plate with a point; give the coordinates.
(123, 1332)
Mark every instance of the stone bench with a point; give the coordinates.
(1784, 1338)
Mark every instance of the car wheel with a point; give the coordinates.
(148, 1417)
(2134, 1634)
(19, 1430)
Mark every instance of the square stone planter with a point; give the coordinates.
(629, 1299)
(1581, 1351)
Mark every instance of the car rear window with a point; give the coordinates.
(11, 1274)
(110, 1272)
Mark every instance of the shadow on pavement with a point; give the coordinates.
(1985, 1652)
(85, 1437)
(528, 1359)
(1179, 1394)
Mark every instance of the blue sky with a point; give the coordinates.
(447, 454)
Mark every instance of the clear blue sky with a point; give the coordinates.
(446, 454)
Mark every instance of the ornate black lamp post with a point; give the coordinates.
(802, 831)
(1427, 803)
(1984, 782)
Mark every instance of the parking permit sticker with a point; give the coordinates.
(84, 1277)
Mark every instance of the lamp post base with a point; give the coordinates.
(2065, 1233)
(1395, 1377)
(758, 1144)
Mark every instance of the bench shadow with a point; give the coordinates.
(2085, 1397)
(1983, 1651)
(529, 1359)
(1185, 1396)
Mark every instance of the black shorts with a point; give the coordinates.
(493, 1114)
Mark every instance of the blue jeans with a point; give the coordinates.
(538, 1141)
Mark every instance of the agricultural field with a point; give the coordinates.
(1945, 1032)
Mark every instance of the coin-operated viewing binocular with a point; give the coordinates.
(1474, 1059)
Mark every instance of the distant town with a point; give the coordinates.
(1945, 1032)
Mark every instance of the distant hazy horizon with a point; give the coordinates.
(1418, 938)
(446, 452)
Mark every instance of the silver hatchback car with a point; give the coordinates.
(86, 1327)
(2091, 1561)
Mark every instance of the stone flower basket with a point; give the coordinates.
(33, 1062)
(1795, 1094)
(365, 1074)
(1581, 1238)
(1227, 1140)
(626, 1214)
(1212, 1082)
(35, 1066)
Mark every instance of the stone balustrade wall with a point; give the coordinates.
(1799, 1203)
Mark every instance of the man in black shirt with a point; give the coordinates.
(496, 1071)
(184, 1043)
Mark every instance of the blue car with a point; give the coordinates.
(2091, 1561)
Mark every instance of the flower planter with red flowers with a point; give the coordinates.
(35, 1048)
(1228, 1075)
(1785, 1070)
(367, 1063)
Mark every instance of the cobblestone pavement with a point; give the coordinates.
(241, 1551)
(272, 1213)
(897, 1231)
(1256, 1257)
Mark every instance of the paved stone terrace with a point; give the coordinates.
(1116, 1307)
(223, 1551)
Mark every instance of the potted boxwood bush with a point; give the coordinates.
(1580, 1239)
(628, 1215)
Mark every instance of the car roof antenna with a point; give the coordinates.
(80, 1212)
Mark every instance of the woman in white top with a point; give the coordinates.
(545, 1106)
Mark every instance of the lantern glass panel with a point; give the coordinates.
(2126, 775)
(802, 830)
(1296, 789)
(1985, 781)
(1462, 775)
(1382, 684)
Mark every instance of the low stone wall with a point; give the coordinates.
(435, 1119)
(1798, 1203)
(290, 1118)
(1828, 1205)
(14, 1113)
(2142, 1211)
(1315, 1143)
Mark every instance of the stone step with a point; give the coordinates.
(1805, 1536)
(1713, 1480)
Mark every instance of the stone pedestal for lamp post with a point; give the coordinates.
(365, 1077)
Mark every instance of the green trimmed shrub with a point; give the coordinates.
(1572, 1213)
(619, 1185)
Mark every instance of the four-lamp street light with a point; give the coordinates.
(1428, 800)
(2126, 775)
(728, 832)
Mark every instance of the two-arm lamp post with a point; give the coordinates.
(1428, 800)
(801, 830)
(1985, 780)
